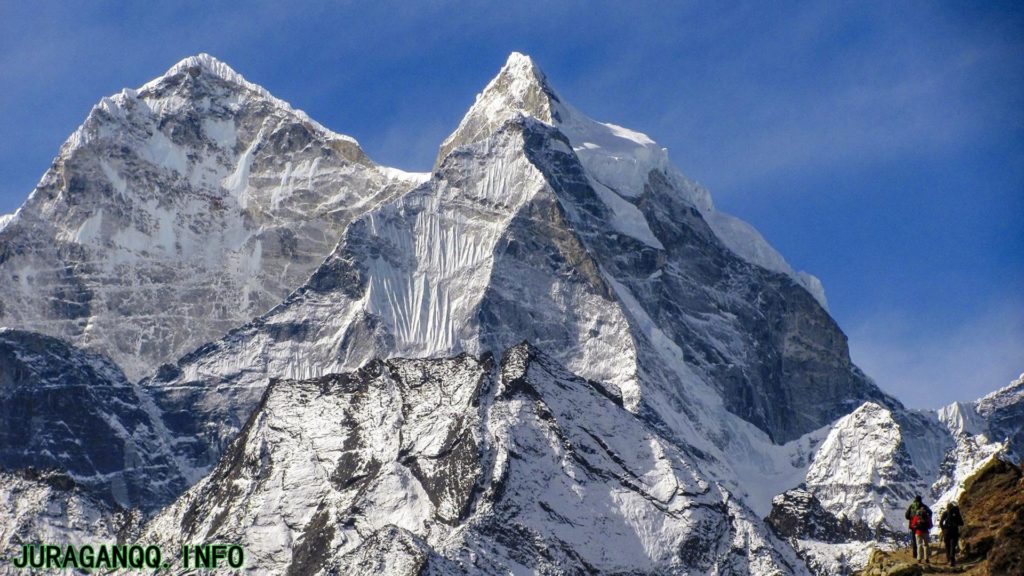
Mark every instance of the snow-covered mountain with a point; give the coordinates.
(552, 355)
(617, 278)
(868, 469)
(513, 238)
(178, 211)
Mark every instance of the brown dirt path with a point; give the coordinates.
(993, 533)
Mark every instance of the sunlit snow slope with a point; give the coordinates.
(178, 211)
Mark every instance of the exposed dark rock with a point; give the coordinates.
(799, 514)
(75, 412)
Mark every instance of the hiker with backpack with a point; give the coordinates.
(950, 522)
(910, 514)
(921, 524)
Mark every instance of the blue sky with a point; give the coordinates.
(879, 146)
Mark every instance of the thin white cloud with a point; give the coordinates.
(929, 369)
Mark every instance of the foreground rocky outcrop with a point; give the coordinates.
(465, 466)
(993, 505)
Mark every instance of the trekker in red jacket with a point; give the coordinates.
(921, 523)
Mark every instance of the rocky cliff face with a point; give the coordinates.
(48, 506)
(178, 211)
(465, 466)
(68, 410)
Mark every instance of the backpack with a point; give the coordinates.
(912, 510)
(955, 520)
(924, 516)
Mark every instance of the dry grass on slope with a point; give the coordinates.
(992, 537)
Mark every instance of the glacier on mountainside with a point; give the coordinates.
(178, 211)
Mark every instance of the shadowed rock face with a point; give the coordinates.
(799, 514)
(61, 408)
(775, 356)
(177, 212)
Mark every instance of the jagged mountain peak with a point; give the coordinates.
(196, 182)
(200, 85)
(620, 161)
(197, 64)
(202, 66)
(519, 89)
(517, 61)
(521, 86)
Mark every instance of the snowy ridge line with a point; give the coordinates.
(1013, 389)
(225, 72)
(617, 158)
